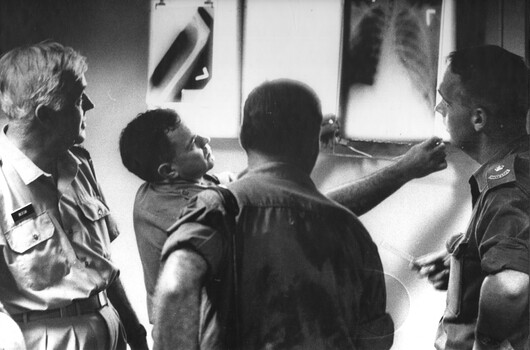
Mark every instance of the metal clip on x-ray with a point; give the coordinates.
(330, 135)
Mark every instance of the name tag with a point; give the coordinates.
(23, 213)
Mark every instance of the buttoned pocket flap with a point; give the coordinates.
(93, 208)
(30, 233)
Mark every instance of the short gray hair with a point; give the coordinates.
(34, 75)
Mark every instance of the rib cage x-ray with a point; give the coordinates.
(389, 68)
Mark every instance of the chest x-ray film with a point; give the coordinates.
(389, 69)
(194, 63)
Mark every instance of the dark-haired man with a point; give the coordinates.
(309, 275)
(160, 149)
(173, 161)
(58, 281)
(485, 102)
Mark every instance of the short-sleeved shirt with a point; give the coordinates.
(156, 207)
(310, 275)
(496, 239)
(54, 237)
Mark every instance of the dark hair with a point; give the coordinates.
(144, 144)
(281, 117)
(495, 78)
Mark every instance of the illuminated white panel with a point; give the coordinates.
(294, 39)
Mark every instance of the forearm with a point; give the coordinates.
(362, 195)
(136, 334)
(420, 160)
(177, 302)
(503, 304)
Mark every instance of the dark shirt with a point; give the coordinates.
(496, 240)
(310, 275)
(156, 207)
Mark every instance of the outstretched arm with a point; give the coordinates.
(177, 301)
(362, 195)
(503, 304)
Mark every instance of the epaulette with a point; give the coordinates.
(501, 172)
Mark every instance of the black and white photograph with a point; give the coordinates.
(264, 174)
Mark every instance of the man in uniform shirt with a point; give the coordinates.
(57, 280)
(158, 147)
(309, 274)
(485, 102)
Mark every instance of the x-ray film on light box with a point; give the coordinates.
(392, 53)
(194, 63)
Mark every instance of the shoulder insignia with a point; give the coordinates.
(501, 173)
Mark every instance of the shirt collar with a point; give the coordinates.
(518, 145)
(283, 170)
(26, 169)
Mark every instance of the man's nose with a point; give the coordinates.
(202, 141)
(86, 103)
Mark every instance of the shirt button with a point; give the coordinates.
(35, 236)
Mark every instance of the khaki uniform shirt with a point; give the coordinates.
(54, 237)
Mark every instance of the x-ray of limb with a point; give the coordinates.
(187, 62)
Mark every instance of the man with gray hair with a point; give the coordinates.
(58, 281)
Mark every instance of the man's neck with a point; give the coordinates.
(39, 149)
(488, 147)
(257, 159)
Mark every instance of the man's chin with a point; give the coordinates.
(80, 138)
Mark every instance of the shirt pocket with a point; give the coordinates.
(97, 215)
(456, 247)
(36, 258)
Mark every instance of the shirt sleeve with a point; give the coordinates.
(201, 228)
(505, 224)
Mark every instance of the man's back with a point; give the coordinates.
(310, 274)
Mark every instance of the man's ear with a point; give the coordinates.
(167, 171)
(479, 118)
(44, 114)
